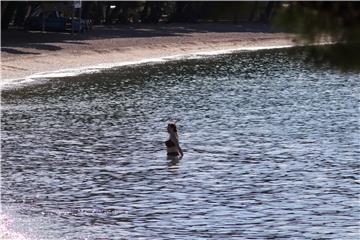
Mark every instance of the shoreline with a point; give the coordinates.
(24, 62)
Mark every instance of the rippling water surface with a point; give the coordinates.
(271, 151)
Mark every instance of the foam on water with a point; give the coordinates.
(6, 229)
(18, 222)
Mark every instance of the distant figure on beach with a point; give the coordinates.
(172, 144)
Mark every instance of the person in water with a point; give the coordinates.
(172, 144)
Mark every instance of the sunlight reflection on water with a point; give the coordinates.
(271, 151)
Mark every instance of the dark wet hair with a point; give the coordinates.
(173, 126)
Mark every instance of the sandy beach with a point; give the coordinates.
(29, 54)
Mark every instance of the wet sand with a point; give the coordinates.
(25, 54)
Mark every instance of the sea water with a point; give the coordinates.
(271, 148)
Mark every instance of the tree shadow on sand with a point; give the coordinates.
(14, 37)
(16, 51)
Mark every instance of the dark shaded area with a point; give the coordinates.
(126, 12)
(13, 37)
(16, 51)
(342, 56)
(44, 47)
(340, 20)
(337, 21)
(78, 43)
(7, 12)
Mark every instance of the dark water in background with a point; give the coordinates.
(271, 151)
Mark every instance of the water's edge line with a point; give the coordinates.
(67, 72)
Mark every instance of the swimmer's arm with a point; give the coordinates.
(180, 150)
(176, 141)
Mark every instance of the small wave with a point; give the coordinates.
(8, 84)
(6, 231)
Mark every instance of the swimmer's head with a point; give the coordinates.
(171, 128)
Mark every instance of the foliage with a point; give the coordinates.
(113, 12)
(336, 21)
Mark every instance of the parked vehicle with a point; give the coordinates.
(54, 21)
